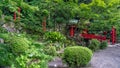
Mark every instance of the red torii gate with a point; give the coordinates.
(93, 36)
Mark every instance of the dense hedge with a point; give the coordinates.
(77, 56)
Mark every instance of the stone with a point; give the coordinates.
(1, 40)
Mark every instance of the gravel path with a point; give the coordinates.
(107, 58)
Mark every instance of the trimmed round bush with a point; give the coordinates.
(103, 45)
(19, 44)
(94, 44)
(77, 56)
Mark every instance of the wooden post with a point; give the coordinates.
(44, 24)
(14, 16)
(72, 31)
(19, 10)
(113, 35)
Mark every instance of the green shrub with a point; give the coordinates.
(5, 36)
(51, 50)
(19, 44)
(69, 43)
(54, 36)
(94, 45)
(6, 58)
(76, 56)
(2, 30)
(103, 45)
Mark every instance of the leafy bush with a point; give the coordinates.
(103, 45)
(77, 56)
(6, 58)
(2, 30)
(69, 43)
(94, 45)
(21, 61)
(54, 36)
(50, 50)
(19, 44)
(5, 36)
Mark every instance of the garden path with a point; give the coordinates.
(107, 58)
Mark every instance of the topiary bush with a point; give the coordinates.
(77, 56)
(103, 45)
(94, 44)
(19, 44)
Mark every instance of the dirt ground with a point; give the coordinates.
(107, 58)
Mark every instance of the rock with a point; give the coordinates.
(1, 40)
(9, 27)
(57, 63)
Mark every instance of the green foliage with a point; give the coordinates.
(45, 12)
(69, 43)
(77, 56)
(3, 30)
(54, 36)
(6, 58)
(44, 64)
(19, 44)
(5, 36)
(103, 45)
(94, 45)
(21, 61)
(50, 50)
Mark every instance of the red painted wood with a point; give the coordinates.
(93, 36)
(14, 16)
(44, 24)
(72, 31)
(113, 35)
